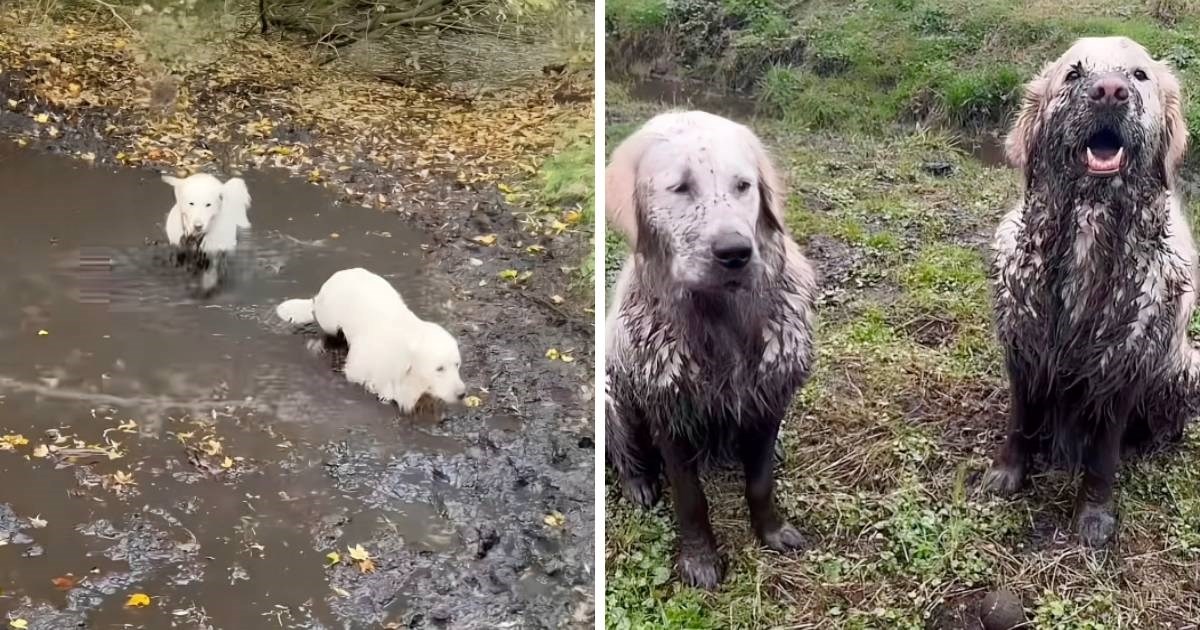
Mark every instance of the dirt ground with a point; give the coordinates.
(363, 520)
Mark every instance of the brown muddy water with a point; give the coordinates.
(109, 356)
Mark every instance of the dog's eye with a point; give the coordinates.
(1140, 75)
(681, 188)
(743, 186)
(1072, 76)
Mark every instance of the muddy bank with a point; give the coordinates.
(194, 450)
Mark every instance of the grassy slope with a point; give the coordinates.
(908, 398)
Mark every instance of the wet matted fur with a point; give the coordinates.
(1094, 273)
(711, 331)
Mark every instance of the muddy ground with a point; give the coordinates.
(190, 448)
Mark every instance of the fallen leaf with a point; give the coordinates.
(227, 462)
(485, 239)
(509, 274)
(504, 188)
(123, 478)
(566, 358)
(211, 447)
(37, 522)
(333, 557)
(552, 354)
(19, 624)
(64, 582)
(43, 333)
(11, 441)
(535, 249)
(366, 566)
(472, 401)
(358, 553)
(41, 450)
(555, 519)
(341, 591)
(42, 118)
(557, 299)
(138, 600)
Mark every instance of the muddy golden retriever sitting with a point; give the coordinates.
(1094, 273)
(711, 333)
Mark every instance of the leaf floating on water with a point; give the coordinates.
(227, 462)
(485, 239)
(123, 478)
(555, 519)
(363, 558)
(64, 582)
(333, 557)
(37, 522)
(11, 441)
(43, 333)
(41, 450)
(472, 401)
(138, 600)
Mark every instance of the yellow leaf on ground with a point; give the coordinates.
(12, 440)
(509, 274)
(19, 624)
(333, 557)
(341, 591)
(42, 118)
(557, 299)
(572, 217)
(504, 188)
(485, 239)
(43, 333)
(566, 358)
(227, 462)
(123, 478)
(138, 600)
(552, 354)
(41, 450)
(472, 401)
(366, 566)
(555, 519)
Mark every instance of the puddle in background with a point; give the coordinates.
(692, 95)
(174, 363)
(987, 148)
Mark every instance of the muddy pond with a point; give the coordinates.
(193, 448)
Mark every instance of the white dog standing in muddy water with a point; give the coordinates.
(205, 220)
(393, 353)
(207, 211)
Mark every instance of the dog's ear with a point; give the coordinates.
(1175, 131)
(172, 180)
(621, 186)
(771, 193)
(1029, 119)
(235, 200)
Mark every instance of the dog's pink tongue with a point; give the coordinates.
(1105, 161)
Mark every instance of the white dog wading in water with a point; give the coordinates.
(393, 353)
(207, 209)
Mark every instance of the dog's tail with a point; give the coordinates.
(297, 312)
(235, 199)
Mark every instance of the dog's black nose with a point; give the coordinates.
(1112, 89)
(733, 251)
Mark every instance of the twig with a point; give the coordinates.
(113, 10)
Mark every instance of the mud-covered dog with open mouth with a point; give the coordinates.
(711, 331)
(1094, 273)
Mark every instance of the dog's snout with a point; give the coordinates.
(733, 251)
(1110, 90)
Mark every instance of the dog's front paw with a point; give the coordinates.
(1002, 479)
(783, 539)
(1095, 524)
(641, 490)
(701, 567)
